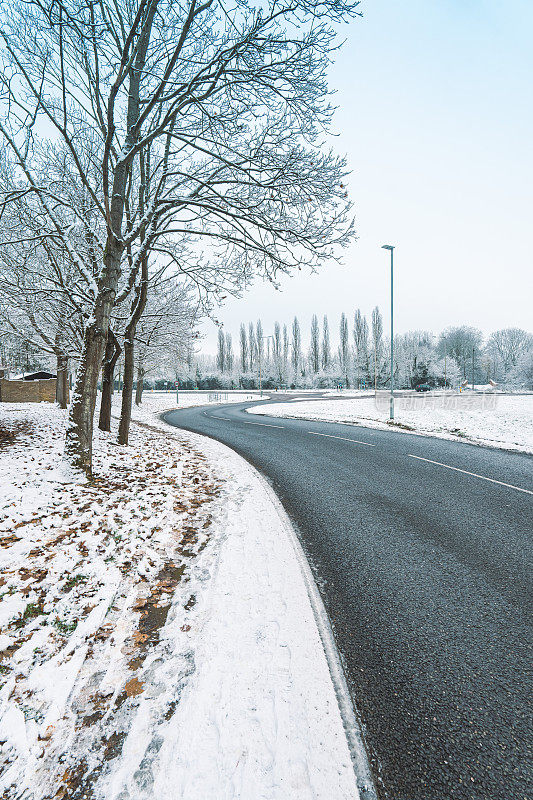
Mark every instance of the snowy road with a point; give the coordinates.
(420, 548)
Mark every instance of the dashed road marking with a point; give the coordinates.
(473, 474)
(345, 438)
(264, 424)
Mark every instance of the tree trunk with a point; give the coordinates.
(138, 306)
(140, 386)
(127, 391)
(78, 440)
(112, 353)
(62, 379)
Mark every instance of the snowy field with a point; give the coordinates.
(496, 420)
(160, 400)
(156, 633)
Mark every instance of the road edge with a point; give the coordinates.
(349, 717)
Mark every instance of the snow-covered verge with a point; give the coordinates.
(495, 420)
(156, 635)
(161, 400)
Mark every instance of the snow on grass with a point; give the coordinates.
(157, 639)
(495, 420)
(97, 587)
(162, 400)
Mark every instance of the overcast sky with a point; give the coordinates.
(435, 116)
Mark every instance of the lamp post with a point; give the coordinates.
(390, 247)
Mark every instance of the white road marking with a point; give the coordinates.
(265, 425)
(345, 438)
(216, 416)
(474, 474)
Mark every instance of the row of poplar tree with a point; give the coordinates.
(360, 356)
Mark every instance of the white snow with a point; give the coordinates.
(161, 400)
(163, 643)
(496, 420)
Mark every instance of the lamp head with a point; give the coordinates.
(387, 247)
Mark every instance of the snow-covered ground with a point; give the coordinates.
(157, 637)
(164, 400)
(496, 420)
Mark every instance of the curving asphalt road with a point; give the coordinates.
(425, 571)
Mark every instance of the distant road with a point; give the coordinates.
(421, 549)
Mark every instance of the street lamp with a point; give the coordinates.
(391, 248)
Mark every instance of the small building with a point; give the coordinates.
(39, 376)
(37, 387)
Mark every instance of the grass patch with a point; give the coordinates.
(401, 425)
(65, 627)
(458, 432)
(73, 581)
(31, 611)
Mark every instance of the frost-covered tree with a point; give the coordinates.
(315, 345)
(463, 344)
(230, 101)
(286, 348)
(228, 353)
(296, 348)
(415, 358)
(166, 331)
(505, 347)
(277, 352)
(344, 347)
(44, 296)
(221, 351)
(260, 343)
(377, 343)
(243, 348)
(252, 344)
(360, 338)
(326, 346)
(521, 375)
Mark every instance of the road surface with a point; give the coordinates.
(421, 549)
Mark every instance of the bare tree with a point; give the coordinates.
(277, 352)
(463, 344)
(315, 344)
(506, 347)
(221, 351)
(229, 353)
(253, 347)
(360, 338)
(377, 343)
(243, 342)
(296, 348)
(285, 349)
(44, 298)
(259, 342)
(415, 358)
(165, 332)
(326, 347)
(229, 99)
(344, 347)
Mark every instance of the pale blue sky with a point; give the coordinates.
(435, 116)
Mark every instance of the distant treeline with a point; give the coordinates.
(361, 357)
